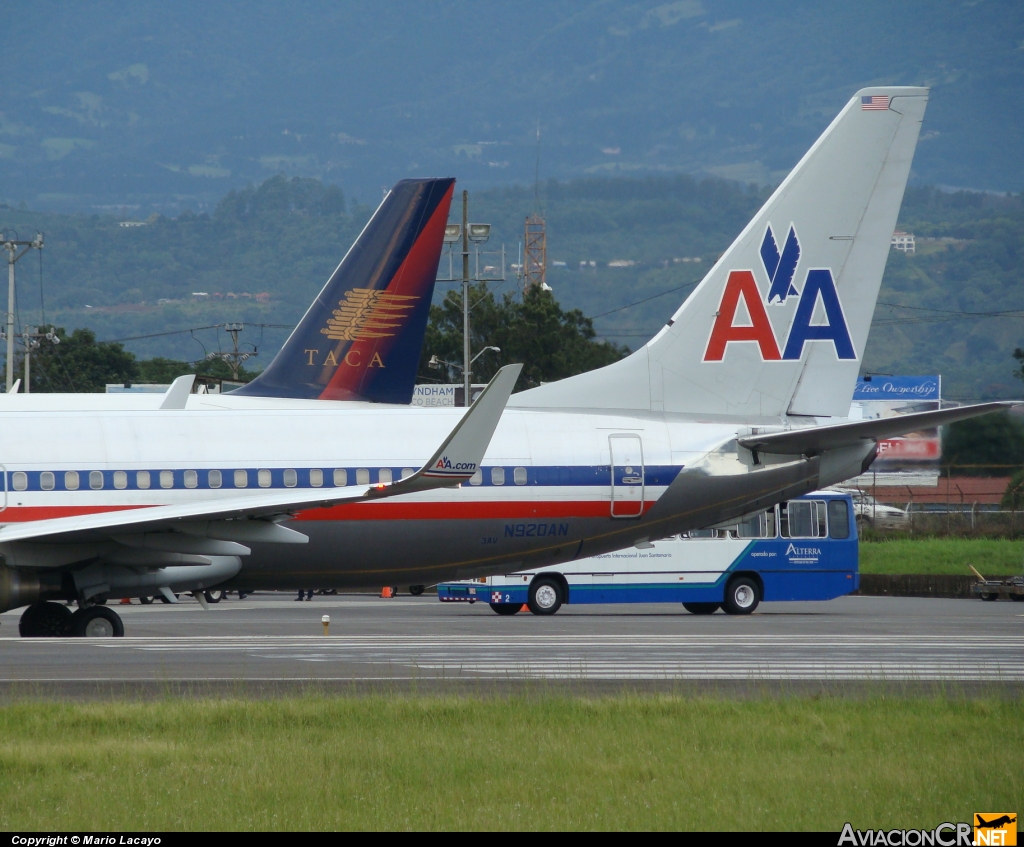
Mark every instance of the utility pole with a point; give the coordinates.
(467, 382)
(12, 245)
(30, 338)
(234, 358)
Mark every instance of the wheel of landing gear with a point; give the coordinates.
(545, 596)
(45, 620)
(213, 596)
(701, 608)
(506, 608)
(415, 590)
(990, 598)
(96, 622)
(741, 596)
(145, 601)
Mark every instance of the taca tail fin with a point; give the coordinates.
(779, 324)
(361, 337)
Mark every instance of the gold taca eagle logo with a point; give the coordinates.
(366, 314)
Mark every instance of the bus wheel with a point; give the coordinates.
(990, 598)
(145, 600)
(701, 608)
(506, 608)
(741, 596)
(545, 596)
(415, 590)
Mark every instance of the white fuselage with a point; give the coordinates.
(545, 490)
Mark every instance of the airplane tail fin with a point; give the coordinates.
(361, 337)
(778, 325)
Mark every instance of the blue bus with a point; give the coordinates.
(802, 549)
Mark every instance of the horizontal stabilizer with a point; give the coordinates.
(177, 395)
(191, 527)
(821, 438)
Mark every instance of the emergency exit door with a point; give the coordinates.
(627, 454)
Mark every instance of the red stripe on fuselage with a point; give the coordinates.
(394, 511)
(22, 514)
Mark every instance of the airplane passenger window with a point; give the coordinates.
(46, 481)
(167, 479)
(408, 472)
(263, 478)
(316, 477)
(838, 519)
(120, 479)
(71, 480)
(384, 475)
(497, 476)
(19, 479)
(191, 479)
(95, 479)
(475, 479)
(214, 479)
(519, 475)
(340, 477)
(241, 478)
(141, 480)
(291, 478)
(362, 476)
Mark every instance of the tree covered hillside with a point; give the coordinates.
(624, 252)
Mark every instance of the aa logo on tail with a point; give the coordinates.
(780, 268)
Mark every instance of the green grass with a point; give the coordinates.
(535, 762)
(991, 556)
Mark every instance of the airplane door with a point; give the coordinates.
(627, 454)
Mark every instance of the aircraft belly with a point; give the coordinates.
(372, 553)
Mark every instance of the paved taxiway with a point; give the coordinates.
(270, 638)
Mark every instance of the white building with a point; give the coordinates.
(903, 241)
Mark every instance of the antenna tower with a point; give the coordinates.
(535, 238)
(535, 259)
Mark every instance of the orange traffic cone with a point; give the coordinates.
(126, 601)
(385, 592)
(525, 608)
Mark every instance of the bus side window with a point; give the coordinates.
(822, 527)
(758, 526)
(838, 519)
(796, 519)
(701, 533)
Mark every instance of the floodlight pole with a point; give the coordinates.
(467, 381)
(13, 254)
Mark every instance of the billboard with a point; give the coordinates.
(886, 396)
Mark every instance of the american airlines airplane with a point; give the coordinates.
(739, 402)
(360, 340)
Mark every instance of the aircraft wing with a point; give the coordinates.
(252, 517)
(818, 439)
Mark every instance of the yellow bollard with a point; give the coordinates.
(326, 621)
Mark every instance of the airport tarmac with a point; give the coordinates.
(272, 640)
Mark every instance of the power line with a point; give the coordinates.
(638, 302)
(189, 331)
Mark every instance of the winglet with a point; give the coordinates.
(461, 453)
(177, 395)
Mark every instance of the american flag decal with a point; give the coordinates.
(874, 103)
